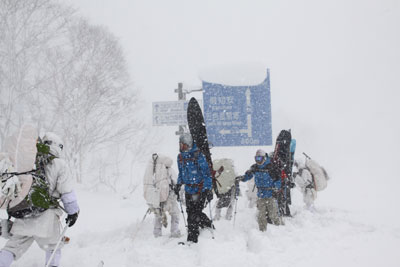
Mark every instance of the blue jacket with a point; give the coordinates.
(194, 171)
(263, 180)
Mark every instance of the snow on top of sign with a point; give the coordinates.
(235, 74)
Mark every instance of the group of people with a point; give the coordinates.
(164, 191)
(198, 178)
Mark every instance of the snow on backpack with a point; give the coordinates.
(226, 178)
(318, 173)
(156, 181)
(24, 193)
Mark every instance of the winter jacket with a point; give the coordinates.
(157, 180)
(194, 171)
(264, 182)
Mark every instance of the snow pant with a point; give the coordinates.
(267, 207)
(225, 201)
(309, 195)
(196, 218)
(17, 245)
(160, 219)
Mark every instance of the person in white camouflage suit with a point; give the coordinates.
(158, 188)
(45, 227)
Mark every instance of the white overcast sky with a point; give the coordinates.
(335, 66)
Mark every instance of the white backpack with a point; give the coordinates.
(318, 173)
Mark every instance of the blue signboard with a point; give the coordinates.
(238, 115)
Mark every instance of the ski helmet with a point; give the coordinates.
(186, 142)
(260, 156)
(54, 142)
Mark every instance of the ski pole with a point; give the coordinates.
(211, 218)
(236, 201)
(307, 156)
(58, 244)
(183, 214)
(141, 223)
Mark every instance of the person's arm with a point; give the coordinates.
(248, 174)
(68, 196)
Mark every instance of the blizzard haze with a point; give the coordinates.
(333, 64)
(334, 69)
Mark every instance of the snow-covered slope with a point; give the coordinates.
(109, 230)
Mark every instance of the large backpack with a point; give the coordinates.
(320, 176)
(34, 196)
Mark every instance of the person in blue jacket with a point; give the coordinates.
(268, 183)
(195, 174)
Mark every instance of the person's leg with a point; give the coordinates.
(229, 211)
(6, 258)
(48, 245)
(261, 216)
(192, 220)
(273, 212)
(217, 215)
(204, 220)
(16, 246)
(55, 262)
(173, 210)
(157, 231)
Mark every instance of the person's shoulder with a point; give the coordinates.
(254, 167)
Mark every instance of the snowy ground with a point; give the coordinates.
(109, 230)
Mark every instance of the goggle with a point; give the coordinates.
(259, 158)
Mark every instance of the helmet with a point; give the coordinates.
(54, 142)
(260, 156)
(185, 142)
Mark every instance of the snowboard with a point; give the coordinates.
(198, 131)
(282, 157)
(282, 164)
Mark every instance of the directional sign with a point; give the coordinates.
(170, 113)
(238, 115)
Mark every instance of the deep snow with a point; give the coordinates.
(109, 230)
(334, 81)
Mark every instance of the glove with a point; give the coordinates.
(209, 195)
(177, 189)
(71, 219)
(238, 179)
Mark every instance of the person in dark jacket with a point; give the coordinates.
(195, 174)
(268, 183)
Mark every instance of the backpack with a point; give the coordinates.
(34, 196)
(319, 175)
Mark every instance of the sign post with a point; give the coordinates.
(238, 115)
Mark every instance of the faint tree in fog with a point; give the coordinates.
(92, 100)
(28, 29)
(67, 76)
